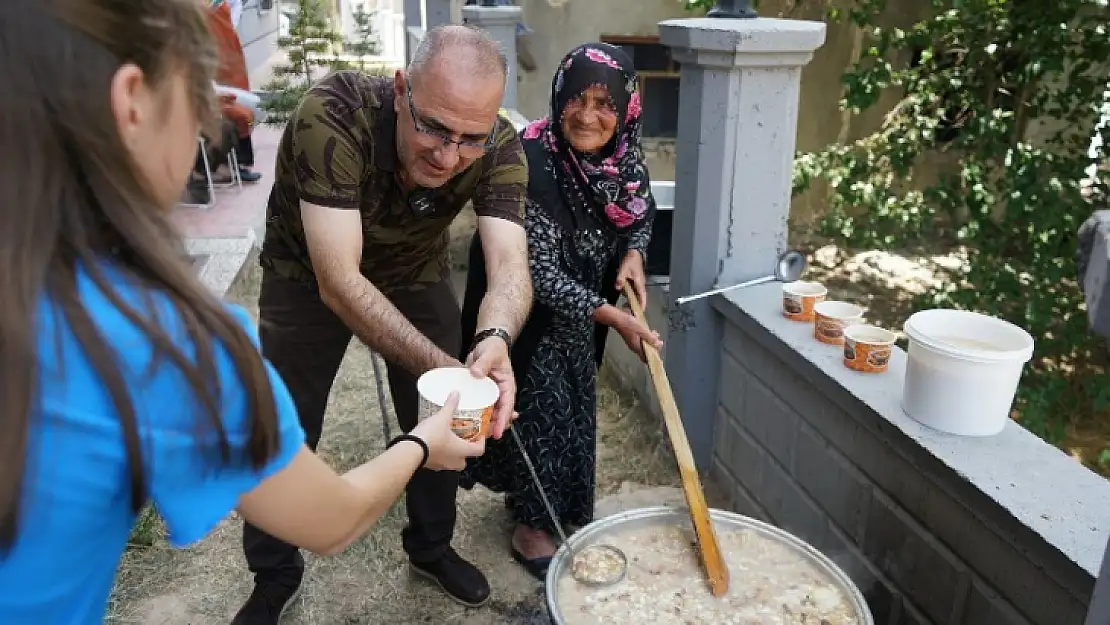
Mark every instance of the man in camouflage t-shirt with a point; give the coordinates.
(371, 172)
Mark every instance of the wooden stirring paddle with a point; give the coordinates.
(708, 548)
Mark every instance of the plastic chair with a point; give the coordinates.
(232, 165)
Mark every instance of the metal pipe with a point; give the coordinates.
(792, 264)
(689, 298)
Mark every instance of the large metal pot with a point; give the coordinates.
(668, 516)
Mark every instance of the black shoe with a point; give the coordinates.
(536, 566)
(247, 175)
(266, 604)
(457, 577)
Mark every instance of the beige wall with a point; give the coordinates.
(558, 29)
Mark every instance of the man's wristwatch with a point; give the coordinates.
(500, 333)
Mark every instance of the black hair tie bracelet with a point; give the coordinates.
(415, 439)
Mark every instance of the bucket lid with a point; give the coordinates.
(969, 335)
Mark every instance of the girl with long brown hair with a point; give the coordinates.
(122, 379)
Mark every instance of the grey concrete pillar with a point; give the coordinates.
(500, 22)
(436, 13)
(414, 22)
(738, 106)
(1098, 612)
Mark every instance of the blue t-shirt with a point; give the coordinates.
(76, 512)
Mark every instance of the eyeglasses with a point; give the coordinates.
(467, 148)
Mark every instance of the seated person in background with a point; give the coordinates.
(232, 71)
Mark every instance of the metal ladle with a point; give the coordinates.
(792, 264)
(600, 551)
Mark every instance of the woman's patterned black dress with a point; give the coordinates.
(557, 395)
(583, 213)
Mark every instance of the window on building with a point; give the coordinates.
(658, 82)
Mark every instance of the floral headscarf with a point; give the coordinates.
(612, 185)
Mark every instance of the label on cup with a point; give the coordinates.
(470, 426)
(829, 330)
(799, 306)
(792, 304)
(865, 357)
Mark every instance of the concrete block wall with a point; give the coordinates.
(929, 542)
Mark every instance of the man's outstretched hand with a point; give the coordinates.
(490, 358)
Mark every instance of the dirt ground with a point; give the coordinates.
(370, 582)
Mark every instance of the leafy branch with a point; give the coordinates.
(310, 47)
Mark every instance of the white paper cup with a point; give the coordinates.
(799, 298)
(867, 348)
(476, 399)
(830, 318)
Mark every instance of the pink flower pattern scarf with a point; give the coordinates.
(612, 186)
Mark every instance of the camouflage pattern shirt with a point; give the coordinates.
(339, 150)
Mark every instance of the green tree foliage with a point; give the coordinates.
(1003, 97)
(365, 42)
(310, 47)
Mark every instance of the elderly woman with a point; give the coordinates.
(588, 216)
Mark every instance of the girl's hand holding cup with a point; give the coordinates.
(446, 451)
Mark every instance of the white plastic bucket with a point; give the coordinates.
(963, 370)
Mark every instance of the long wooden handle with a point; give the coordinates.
(708, 548)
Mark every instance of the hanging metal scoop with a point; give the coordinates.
(792, 264)
(596, 565)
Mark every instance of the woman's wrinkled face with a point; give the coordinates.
(590, 120)
(158, 127)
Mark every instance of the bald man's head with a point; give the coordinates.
(457, 50)
(447, 103)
